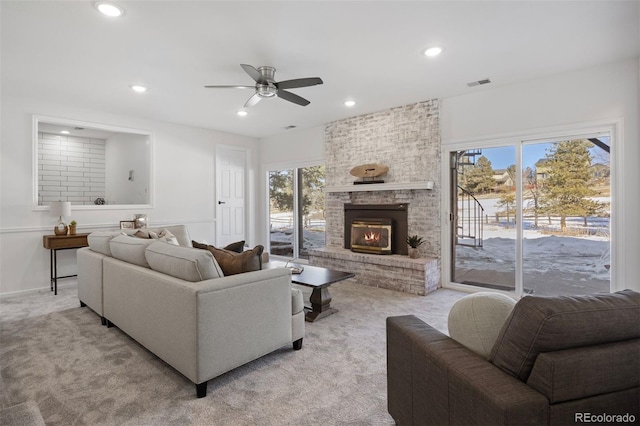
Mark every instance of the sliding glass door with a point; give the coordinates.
(532, 217)
(566, 217)
(484, 233)
(296, 211)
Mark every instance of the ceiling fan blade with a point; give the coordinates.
(299, 82)
(230, 87)
(252, 100)
(291, 97)
(253, 73)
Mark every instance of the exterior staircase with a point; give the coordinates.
(469, 213)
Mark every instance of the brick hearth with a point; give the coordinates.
(394, 272)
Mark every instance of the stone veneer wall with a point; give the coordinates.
(407, 140)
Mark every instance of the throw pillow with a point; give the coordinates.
(233, 263)
(237, 247)
(163, 235)
(476, 320)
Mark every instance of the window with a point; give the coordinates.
(296, 211)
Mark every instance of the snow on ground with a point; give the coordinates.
(549, 261)
(541, 253)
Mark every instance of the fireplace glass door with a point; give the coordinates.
(371, 236)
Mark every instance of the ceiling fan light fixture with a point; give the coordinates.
(433, 51)
(109, 9)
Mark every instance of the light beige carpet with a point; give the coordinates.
(79, 372)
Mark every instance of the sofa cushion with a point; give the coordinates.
(99, 241)
(546, 324)
(578, 373)
(186, 263)
(130, 249)
(476, 320)
(235, 263)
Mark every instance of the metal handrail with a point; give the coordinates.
(469, 220)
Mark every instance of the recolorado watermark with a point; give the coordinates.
(604, 418)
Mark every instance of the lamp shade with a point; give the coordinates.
(61, 208)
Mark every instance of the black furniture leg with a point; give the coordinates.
(109, 323)
(297, 345)
(82, 304)
(55, 272)
(201, 389)
(51, 269)
(103, 321)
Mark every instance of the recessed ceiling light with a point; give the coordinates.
(433, 51)
(109, 9)
(349, 103)
(138, 88)
(242, 113)
(65, 132)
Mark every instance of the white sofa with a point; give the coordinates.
(175, 301)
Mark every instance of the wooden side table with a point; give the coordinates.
(61, 242)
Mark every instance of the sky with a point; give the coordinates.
(503, 157)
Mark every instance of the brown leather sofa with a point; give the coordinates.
(557, 361)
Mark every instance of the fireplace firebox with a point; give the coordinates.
(372, 235)
(389, 219)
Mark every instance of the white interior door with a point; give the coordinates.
(231, 164)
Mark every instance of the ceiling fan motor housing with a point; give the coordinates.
(268, 73)
(266, 90)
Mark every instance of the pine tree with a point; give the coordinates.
(508, 196)
(479, 178)
(566, 189)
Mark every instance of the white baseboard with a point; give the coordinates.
(35, 290)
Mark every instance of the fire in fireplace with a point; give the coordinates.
(371, 235)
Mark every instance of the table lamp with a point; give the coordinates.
(60, 209)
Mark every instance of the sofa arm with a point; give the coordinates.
(241, 318)
(432, 379)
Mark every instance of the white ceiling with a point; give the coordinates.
(367, 51)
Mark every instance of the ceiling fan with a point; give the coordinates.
(267, 87)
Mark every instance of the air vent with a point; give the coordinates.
(290, 127)
(479, 82)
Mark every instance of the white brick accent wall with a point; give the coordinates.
(70, 168)
(407, 140)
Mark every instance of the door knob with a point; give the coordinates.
(221, 202)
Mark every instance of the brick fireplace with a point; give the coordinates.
(407, 140)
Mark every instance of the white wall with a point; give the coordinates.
(595, 94)
(296, 148)
(184, 188)
(125, 152)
